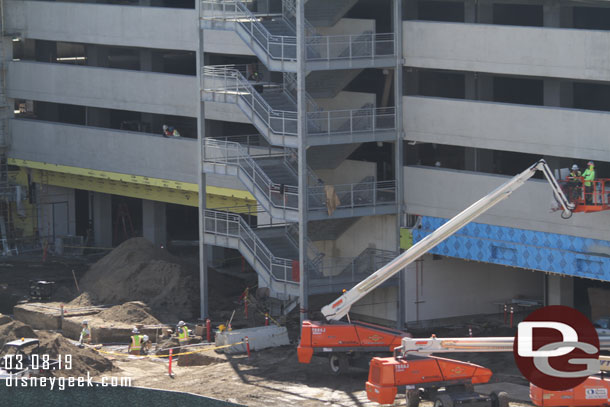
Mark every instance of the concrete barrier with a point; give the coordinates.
(260, 338)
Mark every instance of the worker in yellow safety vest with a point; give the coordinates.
(85, 334)
(183, 333)
(136, 342)
(589, 177)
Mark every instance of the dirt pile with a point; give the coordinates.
(133, 312)
(138, 271)
(11, 330)
(83, 359)
(198, 359)
(86, 299)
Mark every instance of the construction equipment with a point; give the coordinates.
(423, 376)
(345, 342)
(597, 200)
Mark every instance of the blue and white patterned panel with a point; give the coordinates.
(562, 254)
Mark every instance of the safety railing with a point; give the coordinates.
(365, 193)
(277, 47)
(366, 119)
(291, 86)
(234, 226)
(230, 153)
(368, 45)
(229, 81)
(344, 272)
(588, 196)
(291, 160)
(314, 256)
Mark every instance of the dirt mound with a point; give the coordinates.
(134, 312)
(138, 271)
(86, 299)
(83, 359)
(12, 330)
(198, 359)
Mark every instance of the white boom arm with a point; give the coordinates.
(341, 306)
(433, 344)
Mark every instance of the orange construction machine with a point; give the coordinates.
(351, 342)
(448, 382)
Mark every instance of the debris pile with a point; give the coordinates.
(136, 270)
(198, 359)
(11, 330)
(133, 312)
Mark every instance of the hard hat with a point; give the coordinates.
(165, 127)
(221, 327)
(145, 338)
(591, 163)
(574, 167)
(85, 322)
(181, 323)
(135, 331)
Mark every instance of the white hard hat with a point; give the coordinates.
(135, 331)
(165, 127)
(181, 323)
(85, 322)
(145, 338)
(574, 167)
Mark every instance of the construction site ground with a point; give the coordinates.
(268, 377)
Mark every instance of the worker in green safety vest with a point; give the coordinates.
(136, 342)
(589, 177)
(183, 333)
(85, 334)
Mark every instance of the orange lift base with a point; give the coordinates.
(320, 337)
(594, 391)
(387, 374)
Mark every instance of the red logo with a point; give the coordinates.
(556, 348)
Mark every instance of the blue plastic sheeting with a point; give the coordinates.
(101, 396)
(535, 250)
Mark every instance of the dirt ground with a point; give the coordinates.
(270, 377)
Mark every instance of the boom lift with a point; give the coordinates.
(412, 368)
(347, 342)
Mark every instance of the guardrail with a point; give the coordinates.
(230, 153)
(365, 193)
(232, 225)
(227, 80)
(319, 48)
(231, 81)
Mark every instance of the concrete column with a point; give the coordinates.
(478, 86)
(485, 12)
(551, 13)
(154, 222)
(150, 62)
(97, 55)
(102, 219)
(560, 290)
(97, 117)
(552, 92)
(567, 16)
(566, 90)
(46, 51)
(470, 11)
(470, 159)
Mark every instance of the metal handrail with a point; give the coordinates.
(230, 153)
(365, 193)
(319, 48)
(291, 160)
(232, 225)
(235, 11)
(225, 79)
(314, 255)
(291, 86)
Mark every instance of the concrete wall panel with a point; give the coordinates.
(536, 51)
(150, 27)
(508, 127)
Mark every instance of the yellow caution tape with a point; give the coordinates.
(165, 356)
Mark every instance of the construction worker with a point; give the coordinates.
(146, 345)
(85, 334)
(173, 132)
(589, 177)
(574, 183)
(136, 342)
(183, 333)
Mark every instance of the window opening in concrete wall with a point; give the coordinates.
(440, 11)
(518, 14)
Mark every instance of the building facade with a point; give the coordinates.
(313, 135)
